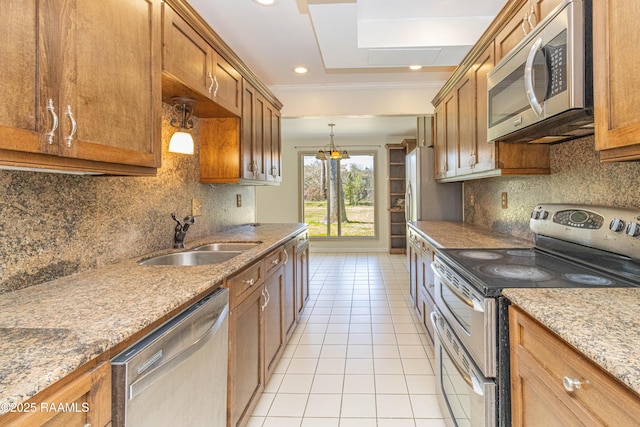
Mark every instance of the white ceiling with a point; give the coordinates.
(349, 42)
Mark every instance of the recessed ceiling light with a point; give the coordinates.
(415, 67)
(266, 2)
(300, 70)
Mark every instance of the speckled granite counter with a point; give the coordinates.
(50, 330)
(458, 235)
(602, 324)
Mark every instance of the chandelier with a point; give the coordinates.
(332, 152)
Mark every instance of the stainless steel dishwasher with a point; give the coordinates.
(176, 375)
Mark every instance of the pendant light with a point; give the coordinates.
(182, 140)
(332, 152)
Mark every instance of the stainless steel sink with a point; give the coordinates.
(199, 257)
(228, 246)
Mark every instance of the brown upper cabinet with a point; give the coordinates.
(245, 150)
(615, 58)
(240, 140)
(521, 23)
(70, 106)
(194, 69)
(461, 148)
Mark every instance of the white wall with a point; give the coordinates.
(282, 203)
(356, 100)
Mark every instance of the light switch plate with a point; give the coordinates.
(196, 207)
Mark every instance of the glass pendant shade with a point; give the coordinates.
(181, 142)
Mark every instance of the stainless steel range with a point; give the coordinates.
(575, 246)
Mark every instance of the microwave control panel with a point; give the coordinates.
(556, 56)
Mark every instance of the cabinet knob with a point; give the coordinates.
(249, 282)
(275, 262)
(571, 384)
(52, 110)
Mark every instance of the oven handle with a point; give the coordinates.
(472, 382)
(475, 305)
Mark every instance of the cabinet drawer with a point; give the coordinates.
(302, 239)
(600, 393)
(274, 260)
(243, 283)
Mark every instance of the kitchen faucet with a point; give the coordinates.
(181, 230)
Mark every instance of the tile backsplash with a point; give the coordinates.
(54, 225)
(577, 176)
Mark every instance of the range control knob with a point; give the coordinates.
(617, 225)
(633, 229)
(535, 214)
(544, 214)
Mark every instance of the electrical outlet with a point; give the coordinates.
(472, 200)
(505, 200)
(239, 200)
(196, 207)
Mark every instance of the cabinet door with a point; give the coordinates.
(485, 151)
(186, 55)
(289, 292)
(302, 276)
(23, 114)
(227, 87)
(273, 324)
(248, 131)
(246, 362)
(440, 142)
(512, 32)
(275, 155)
(89, 395)
(259, 153)
(465, 131)
(615, 56)
(116, 98)
(451, 134)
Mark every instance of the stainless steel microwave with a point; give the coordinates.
(542, 91)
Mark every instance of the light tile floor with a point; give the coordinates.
(359, 356)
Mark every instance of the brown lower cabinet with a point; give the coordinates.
(265, 299)
(544, 392)
(86, 401)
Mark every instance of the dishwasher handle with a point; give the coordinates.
(151, 376)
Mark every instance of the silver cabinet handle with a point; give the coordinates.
(286, 257)
(52, 110)
(525, 18)
(249, 282)
(210, 77)
(571, 384)
(215, 92)
(267, 298)
(532, 12)
(74, 126)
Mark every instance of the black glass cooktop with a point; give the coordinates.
(491, 270)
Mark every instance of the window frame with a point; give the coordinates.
(374, 155)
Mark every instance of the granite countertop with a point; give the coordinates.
(460, 235)
(50, 330)
(600, 323)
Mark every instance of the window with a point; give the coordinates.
(338, 196)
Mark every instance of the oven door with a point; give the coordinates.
(465, 396)
(471, 316)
